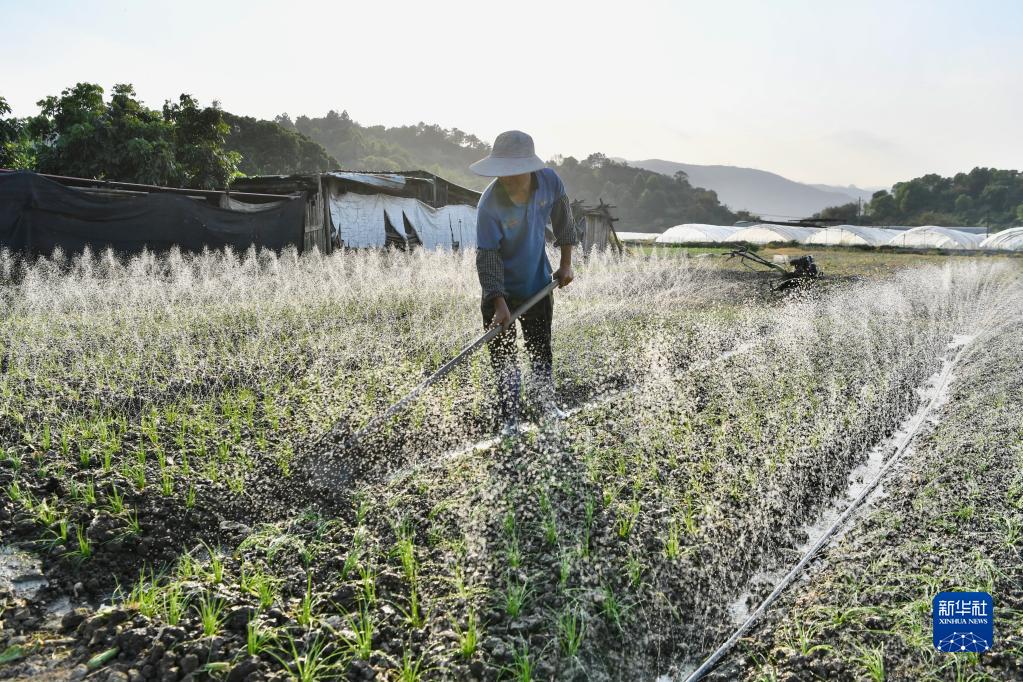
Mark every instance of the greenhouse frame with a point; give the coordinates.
(696, 233)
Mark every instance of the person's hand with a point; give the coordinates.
(502, 316)
(564, 276)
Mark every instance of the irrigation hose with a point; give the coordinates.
(914, 426)
(382, 417)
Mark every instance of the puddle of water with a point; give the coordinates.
(21, 573)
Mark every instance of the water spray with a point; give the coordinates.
(903, 442)
(445, 369)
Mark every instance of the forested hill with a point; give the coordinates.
(987, 197)
(645, 200)
(86, 132)
(445, 152)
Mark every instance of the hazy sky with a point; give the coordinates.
(818, 91)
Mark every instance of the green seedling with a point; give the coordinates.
(369, 584)
(361, 644)
(515, 598)
(804, 635)
(166, 482)
(673, 543)
(414, 613)
(612, 607)
(83, 548)
(57, 535)
(46, 513)
(175, 604)
(411, 669)
(311, 665)
(570, 632)
(115, 501)
(634, 568)
(256, 638)
(468, 637)
(405, 549)
(260, 585)
(305, 607)
(513, 553)
(871, 661)
(211, 614)
(564, 569)
(132, 519)
(522, 666)
(14, 492)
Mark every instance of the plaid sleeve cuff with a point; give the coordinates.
(562, 224)
(490, 267)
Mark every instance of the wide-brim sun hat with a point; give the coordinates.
(513, 154)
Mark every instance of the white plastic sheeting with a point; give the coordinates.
(382, 180)
(934, 237)
(696, 233)
(359, 221)
(637, 236)
(766, 234)
(232, 204)
(851, 235)
(1010, 240)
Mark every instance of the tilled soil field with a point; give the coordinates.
(158, 462)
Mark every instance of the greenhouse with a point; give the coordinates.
(851, 235)
(766, 234)
(934, 237)
(637, 236)
(1009, 240)
(696, 233)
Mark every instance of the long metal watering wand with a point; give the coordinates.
(446, 368)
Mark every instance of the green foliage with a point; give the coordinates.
(848, 214)
(984, 196)
(446, 152)
(645, 200)
(78, 133)
(15, 150)
(268, 148)
(199, 136)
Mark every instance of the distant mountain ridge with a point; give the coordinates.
(769, 195)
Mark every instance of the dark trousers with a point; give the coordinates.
(536, 331)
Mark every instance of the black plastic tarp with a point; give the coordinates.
(37, 215)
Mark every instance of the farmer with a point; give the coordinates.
(512, 263)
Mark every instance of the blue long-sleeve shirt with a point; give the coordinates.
(511, 259)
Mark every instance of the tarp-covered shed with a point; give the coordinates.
(39, 215)
(365, 209)
(696, 233)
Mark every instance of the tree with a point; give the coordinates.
(985, 196)
(137, 141)
(71, 133)
(77, 133)
(269, 148)
(15, 148)
(645, 200)
(199, 136)
(847, 213)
